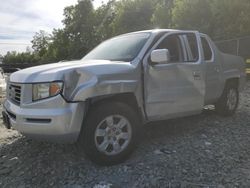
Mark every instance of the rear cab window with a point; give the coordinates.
(191, 47)
(207, 51)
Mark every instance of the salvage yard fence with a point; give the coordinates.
(239, 47)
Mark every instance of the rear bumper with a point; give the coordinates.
(51, 119)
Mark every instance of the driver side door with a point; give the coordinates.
(175, 88)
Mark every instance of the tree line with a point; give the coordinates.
(85, 26)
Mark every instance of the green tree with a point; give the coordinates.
(104, 18)
(221, 19)
(133, 15)
(231, 18)
(40, 42)
(162, 16)
(59, 48)
(24, 57)
(79, 28)
(193, 15)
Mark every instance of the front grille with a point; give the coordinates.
(14, 93)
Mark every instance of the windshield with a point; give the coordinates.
(123, 48)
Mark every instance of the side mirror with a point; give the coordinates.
(160, 56)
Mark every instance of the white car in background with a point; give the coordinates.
(2, 86)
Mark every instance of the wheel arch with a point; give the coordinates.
(125, 98)
(234, 80)
(231, 80)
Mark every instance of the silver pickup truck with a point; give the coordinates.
(101, 101)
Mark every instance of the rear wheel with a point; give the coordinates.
(229, 100)
(110, 133)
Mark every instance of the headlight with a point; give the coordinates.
(46, 90)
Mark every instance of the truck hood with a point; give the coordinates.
(62, 70)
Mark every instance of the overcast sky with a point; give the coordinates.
(20, 19)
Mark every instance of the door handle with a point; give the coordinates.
(197, 75)
(217, 69)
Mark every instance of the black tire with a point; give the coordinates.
(226, 105)
(88, 141)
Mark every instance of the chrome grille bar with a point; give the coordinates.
(14, 93)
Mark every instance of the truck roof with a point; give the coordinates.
(156, 31)
(161, 30)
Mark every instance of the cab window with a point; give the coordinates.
(173, 44)
(182, 47)
(206, 49)
(191, 47)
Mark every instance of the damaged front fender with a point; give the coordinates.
(81, 85)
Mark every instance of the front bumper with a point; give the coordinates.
(50, 119)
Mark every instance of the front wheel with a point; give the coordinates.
(110, 133)
(229, 100)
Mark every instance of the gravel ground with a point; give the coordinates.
(194, 152)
